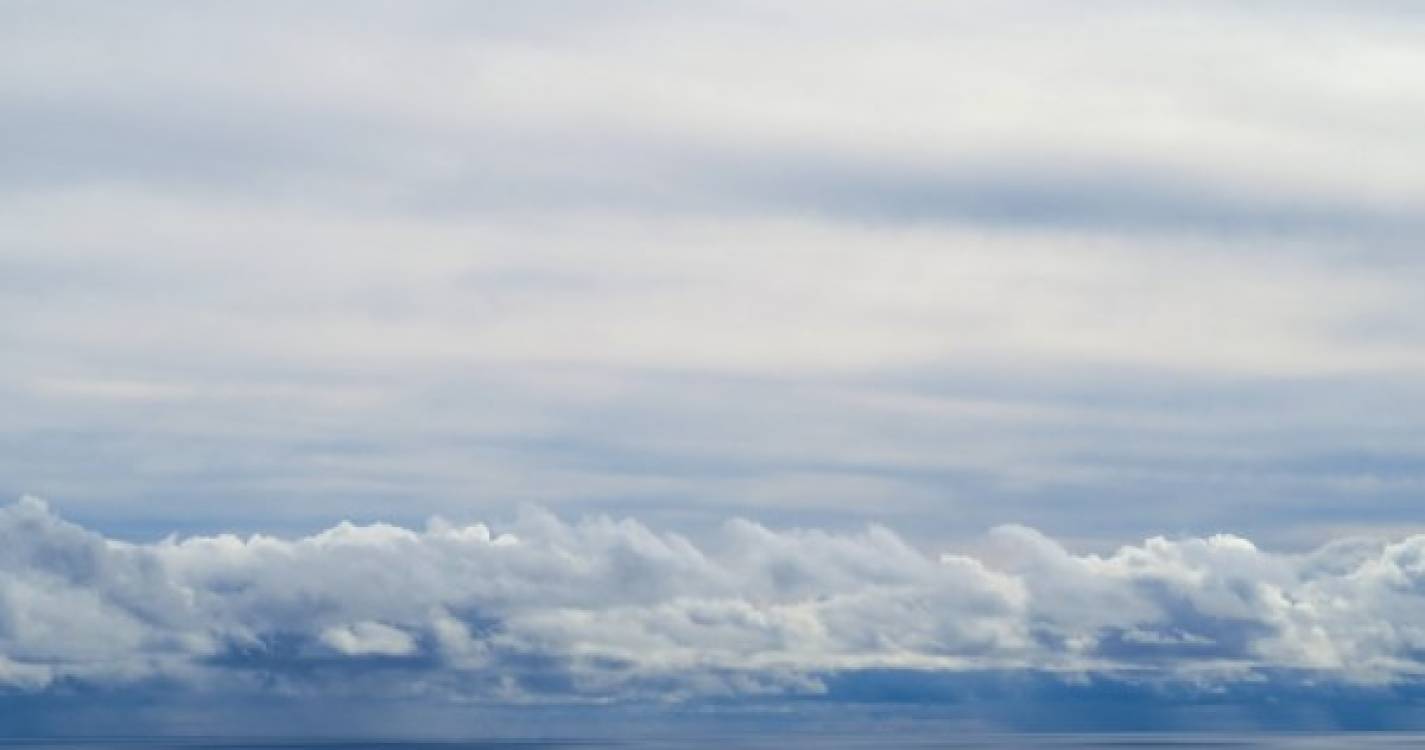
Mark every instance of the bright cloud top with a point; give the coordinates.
(611, 610)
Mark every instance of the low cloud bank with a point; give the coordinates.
(605, 610)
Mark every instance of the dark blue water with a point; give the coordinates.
(1155, 741)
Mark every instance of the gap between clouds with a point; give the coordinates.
(610, 610)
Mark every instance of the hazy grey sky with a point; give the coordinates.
(1105, 268)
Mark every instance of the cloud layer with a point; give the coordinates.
(612, 611)
(941, 265)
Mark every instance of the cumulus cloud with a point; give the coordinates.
(600, 610)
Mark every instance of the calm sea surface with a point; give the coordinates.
(798, 742)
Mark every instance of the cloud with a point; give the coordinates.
(611, 611)
(1123, 269)
(368, 638)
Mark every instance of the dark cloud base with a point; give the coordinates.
(907, 702)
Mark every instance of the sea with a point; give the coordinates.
(1112, 741)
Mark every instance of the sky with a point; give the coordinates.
(658, 356)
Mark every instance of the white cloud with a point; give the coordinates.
(368, 638)
(604, 609)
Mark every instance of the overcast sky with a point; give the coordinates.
(1103, 270)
